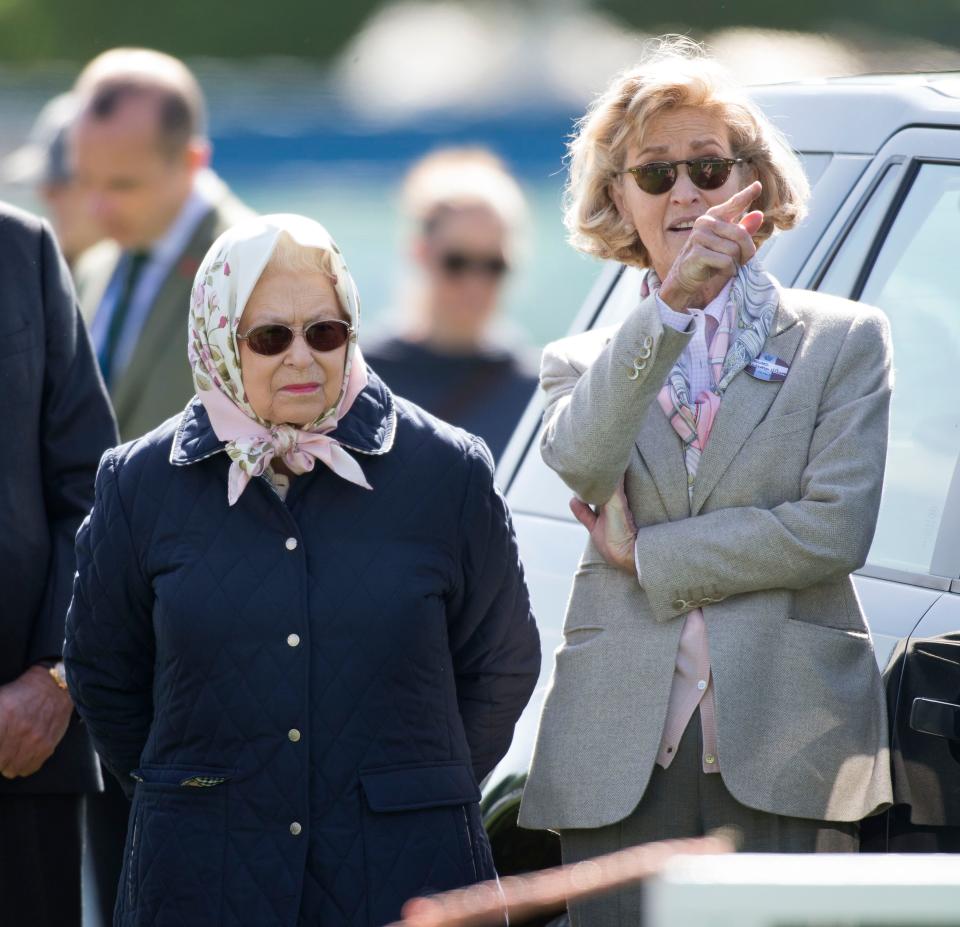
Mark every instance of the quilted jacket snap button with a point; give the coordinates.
(296, 829)
(291, 544)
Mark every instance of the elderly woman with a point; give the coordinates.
(726, 446)
(300, 631)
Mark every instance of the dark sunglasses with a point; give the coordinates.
(326, 335)
(705, 173)
(456, 264)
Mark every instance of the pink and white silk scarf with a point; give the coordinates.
(752, 302)
(222, 286)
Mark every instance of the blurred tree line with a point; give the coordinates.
(934, 20)
(35, 31)
(76, 30)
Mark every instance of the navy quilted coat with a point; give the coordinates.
(301, 695)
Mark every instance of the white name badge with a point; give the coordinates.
(769, 368)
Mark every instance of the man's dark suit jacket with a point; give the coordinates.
(56, 423)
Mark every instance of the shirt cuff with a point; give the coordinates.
(636, 562)
(680, 321)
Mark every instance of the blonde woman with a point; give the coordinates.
(726, 447)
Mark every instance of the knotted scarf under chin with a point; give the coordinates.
(252, 446)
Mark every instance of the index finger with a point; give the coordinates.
(734, 207)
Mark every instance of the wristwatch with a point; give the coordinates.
(59, 674)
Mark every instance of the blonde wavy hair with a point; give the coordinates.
(677, 74)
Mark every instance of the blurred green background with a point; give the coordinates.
(36, 31)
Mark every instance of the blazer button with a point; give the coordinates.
(648, 341)
(644, 353)
(296, 829)
(293, 640)
(293, 734)
(291, 544)
(679, 605)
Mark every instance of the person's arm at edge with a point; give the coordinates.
(77, 426)
(109, 649)
(494, 640)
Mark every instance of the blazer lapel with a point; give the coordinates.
(662, 452)
(744, 405)
(167, 318)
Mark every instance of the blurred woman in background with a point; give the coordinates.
(444, 356)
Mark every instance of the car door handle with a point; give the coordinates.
(929, 716)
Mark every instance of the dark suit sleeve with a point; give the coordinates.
(493, 636)
(109, 648)
(76, 427)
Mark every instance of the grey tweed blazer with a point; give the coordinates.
(783, 510)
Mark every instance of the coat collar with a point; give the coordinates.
(368, 428)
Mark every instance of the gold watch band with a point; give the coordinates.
(59, 674)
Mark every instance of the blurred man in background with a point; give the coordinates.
(56, 423)
(468, 212)
(43, 164)
(140, 155)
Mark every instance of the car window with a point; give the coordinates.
(914, 281)
(844, 270)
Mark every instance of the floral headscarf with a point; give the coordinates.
(222, 286)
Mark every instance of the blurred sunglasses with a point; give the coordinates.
(327, 335)
(458, 264)
(705, 173)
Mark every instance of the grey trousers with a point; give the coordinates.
(683, 801)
